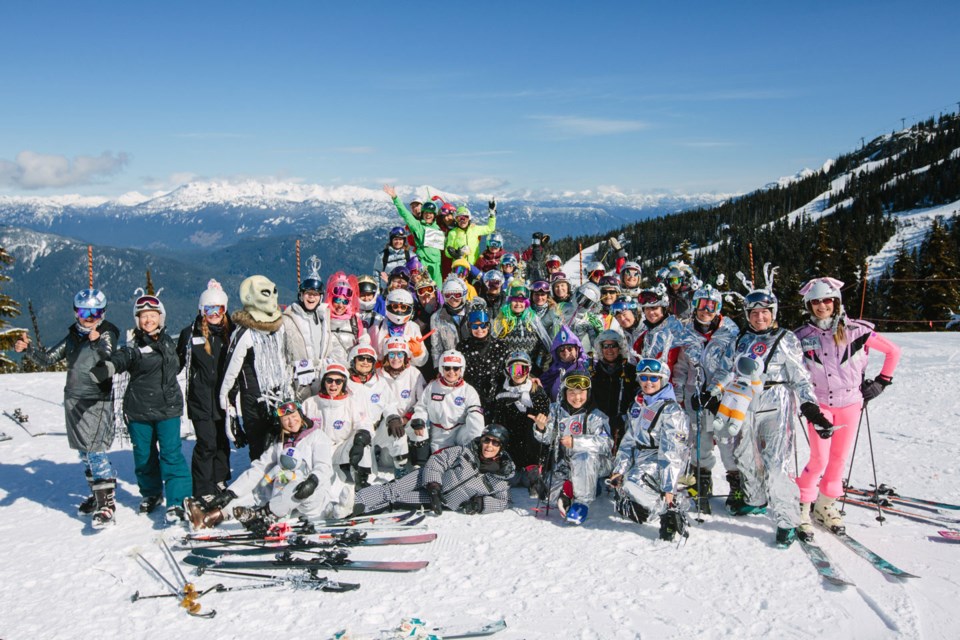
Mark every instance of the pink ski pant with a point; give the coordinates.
(829, 457)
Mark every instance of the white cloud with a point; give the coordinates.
(485, 184)
(580, 126)
(31, 170)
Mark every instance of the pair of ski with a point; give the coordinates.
(284, 530)
(323, 555)
(830, 573)
(411, 626)
(21, 420)
(306, 544)
(890, 494)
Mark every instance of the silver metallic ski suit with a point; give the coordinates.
(763, 449)
(714, 345)
(655, 450)
(588, 459)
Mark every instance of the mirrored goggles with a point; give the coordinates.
(674, 280)
(649, 365)
(479, 325)
(343, 292)
(287, 408)
(396, 355)
(518, 369)
(453, 296)
(213, 309)
(706, 304)
(540, 286)
(87, 314)
(341, 300)
(147, 302)
(427, 290)
(648, 297)
(759, 300)
(460, 271)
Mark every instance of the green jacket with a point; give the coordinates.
(428, 240)
(470, 238)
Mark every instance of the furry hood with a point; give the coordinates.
(242, 318)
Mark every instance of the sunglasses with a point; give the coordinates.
(820, 301)
(577, 382)
(648, 378)
(366, 359)
(340, 300)
(609, 292)
(451, 368)
(609, 345)
(87, 314)
(707, 305)
(396, 355)
(337, 381)
(480, 325)
(215, 309)
(566, 347)
(493, 441)
(287, 408)
(398, 307)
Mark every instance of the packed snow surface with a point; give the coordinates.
(605, 579)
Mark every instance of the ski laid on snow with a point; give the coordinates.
(928, 518)
(332, 560)
(889, 493)
(822, 563)
(21, 420)
(410, 626)
(279, 533)
(949, 534)
(880, 564)
(242, 548)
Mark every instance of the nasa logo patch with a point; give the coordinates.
(405, 394)
(576, 428)
(338, 425)
(810, 344)
(635, 412)
(289, 452)
(459, 400)
(759, 349)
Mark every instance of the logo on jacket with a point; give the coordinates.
(375, 398)
(759, 349)
(576, 428)
(635, 412)
(459, 400)
(405, 394)
(649, 414)
(338, 424)
(436, 396)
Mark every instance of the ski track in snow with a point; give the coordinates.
(606, 579)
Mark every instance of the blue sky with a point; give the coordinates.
(103, 98)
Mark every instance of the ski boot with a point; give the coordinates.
(105, 493)
(672, 524)
(629, 509)
(826, 513)
(702, 489)
(362, 478)
(577, 513)
(199, 516)
(89, 506)
(532, 473)
(786, 536)
(736, 497)
(175, 515)
(749, 510)
(149, 503)
(805, 530)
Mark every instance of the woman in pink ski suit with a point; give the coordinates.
(835, 352)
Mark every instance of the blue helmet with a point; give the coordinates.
(90, 299)
(478, 315)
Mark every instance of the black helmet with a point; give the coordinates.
(499, 432)
(311, 284)
(428, 207)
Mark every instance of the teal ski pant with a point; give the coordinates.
(158, 460)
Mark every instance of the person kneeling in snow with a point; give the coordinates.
(294, 474)
(653, 454)
(584, 453)
(472, 478)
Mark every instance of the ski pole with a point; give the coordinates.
(699, 470)
(176, 566)
(873, 463)
(856, 439)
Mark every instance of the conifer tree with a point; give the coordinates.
(9, 308)
(939, 271)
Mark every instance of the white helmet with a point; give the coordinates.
(588, 295)
(596, 266)
(397, 344)
(399, 304)
(452, 358)
(362, 348)
(454, 285)
(820, 288)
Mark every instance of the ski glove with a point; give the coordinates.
(102, 371)
(872, 388)
(436, 500)
(473, 506)
(234, 429)
(395, 427)
(360, 441)
(819, 421)
(492, 205)
(221, 500)
(306, 488)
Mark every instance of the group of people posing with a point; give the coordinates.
(462, 373)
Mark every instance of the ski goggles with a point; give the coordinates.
(554, 264)
(648, 297)
(87, 314)
(518, 369)
(147, 302)
(287, 408)
(576, 381)
(759, 300)
(706, 304)
(342, 292)
(214, 309)
(341, 300)
(427, 289)
(674, 280)
(495, 244)
(479, 325)
(540, 286)
(489, 440)
(460, 271)
(453, 296)
(623, 304)
(650, 365)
